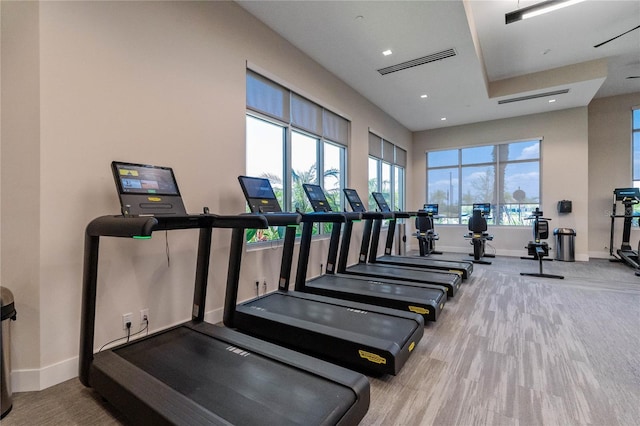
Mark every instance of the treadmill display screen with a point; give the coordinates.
(315, 193)
(354, 200)
(144, 179)
(484, 207)
(259, 194)
(382, 203)
(257, 187)
(318, 200)
(431, 208)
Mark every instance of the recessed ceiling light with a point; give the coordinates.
(387, 52)
(551, 101)
(359, 17)
(423, 96)
(443, 119)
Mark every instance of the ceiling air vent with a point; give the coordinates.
(537, 95)
(420, 61)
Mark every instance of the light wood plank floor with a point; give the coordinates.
(508, 350)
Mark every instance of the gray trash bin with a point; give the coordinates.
(565, 244)
(8, 313)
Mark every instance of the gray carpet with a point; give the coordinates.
(507, 350)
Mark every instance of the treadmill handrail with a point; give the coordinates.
(377, 215)
(143, 226)
(280, 218)
(324, 217)
(121, 226)
(404, 214)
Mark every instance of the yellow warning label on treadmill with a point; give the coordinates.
(154, 198)
(453, 271)
(419, 310)
(441, 306)
(369, 356)
(411, 346)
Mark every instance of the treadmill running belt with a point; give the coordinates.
(239, 386)
(375, 325)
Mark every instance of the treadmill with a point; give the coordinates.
(463, 267)
(198, 373)
(451, 281)
(427, 302)
(364, 337)
(416, 276)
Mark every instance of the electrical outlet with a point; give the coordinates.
(126, 318)
(144, 316)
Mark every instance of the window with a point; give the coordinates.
(291, 141)
(505, 175)
(636, 147)
(387, 164)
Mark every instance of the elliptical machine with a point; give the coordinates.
(537, 248)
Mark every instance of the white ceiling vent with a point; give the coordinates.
(420, 61)
(537, 95)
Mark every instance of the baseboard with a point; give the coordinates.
(35, 380)
(51, 375)
(511, 253)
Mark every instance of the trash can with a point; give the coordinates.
(565, 244)
(8, 313)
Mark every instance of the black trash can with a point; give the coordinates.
(565, 244)
(8, 313)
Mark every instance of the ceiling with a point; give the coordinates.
(493, 61)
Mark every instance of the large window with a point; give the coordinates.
(387, 164)
(636, 147)
(505, 175)
(291, 141)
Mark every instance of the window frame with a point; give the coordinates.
(635, 146)
(499, 165)
(307, 118)
(383, 152)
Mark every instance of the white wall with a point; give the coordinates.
(20, 170)
(85, 83)
(150, 82)
(609, 167)
(564, 173)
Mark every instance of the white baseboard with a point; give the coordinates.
(35, 380)
(39, 379)
(514, 253)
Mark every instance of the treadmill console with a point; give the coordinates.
(381, 202)
(146, 190)
(354, 200)
(259, 194)
(316, 196)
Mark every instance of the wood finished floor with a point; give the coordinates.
(508, 350)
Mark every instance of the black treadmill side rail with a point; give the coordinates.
(120, 226)
(233, 278)
(305, 240)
